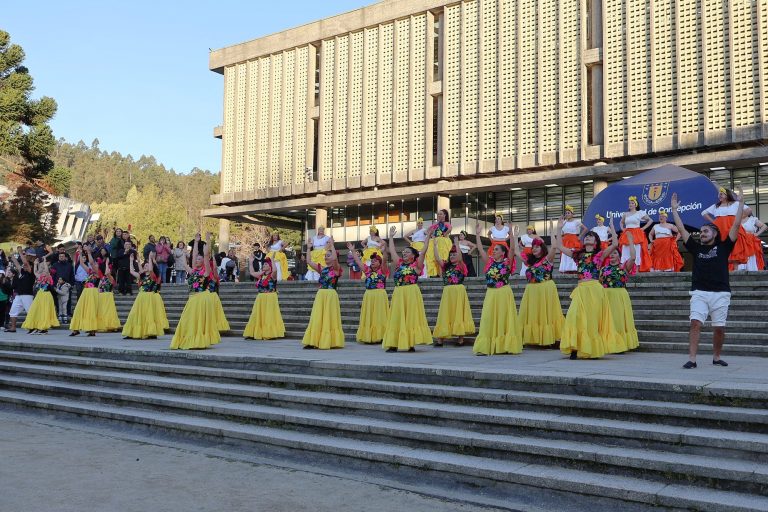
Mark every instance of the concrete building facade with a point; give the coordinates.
(389, 112)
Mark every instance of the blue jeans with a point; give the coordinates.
(181, 276)
(163, 269)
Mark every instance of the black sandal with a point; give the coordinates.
(690, 364)
(74, 333)
(719, 362)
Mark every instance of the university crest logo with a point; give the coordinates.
(655, 193)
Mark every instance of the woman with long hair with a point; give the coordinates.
(525, 245)
(266, 321)
(754, 228)
(145, 321)
(499, 325)
(277, 255)
(665, 256)
(454, 317)
(614, 276)
(407, 324)
(630, 223)
(722, 215)
(541, 314)
(318, 246)
(324, 329)
(602, 231)
(42, 313)
(86, 314)
(467, 248)
(416, 237)
(572, 231)
(107, 315)
(372, 245)
(588, 330)
(374, 312)
(441, 232)
(214, 283)
(197, 327)
(499, 234)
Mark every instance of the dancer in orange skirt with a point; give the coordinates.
(630, 223)
(602, 231)
(572, 232)
(499, 234)
(665, 256)
(526, 246)
(754, 228)
(721, 214)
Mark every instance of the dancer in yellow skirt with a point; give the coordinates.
(499, 325)
(588, 331)
(107, 316)
(441, 232)
(319, 244)
(277, 255)
(145, 319)
(266, 321)
(541, 314)
(85, 316)
(197, 327)
(454, 318)
(416, 237)
(324, 328)
(372, 245)
(42, 313)
(374, 311)
(407, 324)
(614, 276)
(222, 324)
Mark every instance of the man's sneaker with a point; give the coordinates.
(689, 365)
(719, 362)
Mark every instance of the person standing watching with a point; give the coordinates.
(149, 247)
(81, 275)
(258, 259)
(23, 285)
(62, 269)
(710, 286)
(163, 253)
(123, 264)
(180, 262)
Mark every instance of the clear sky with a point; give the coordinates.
(135, 74)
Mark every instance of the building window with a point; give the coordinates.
(436, 51)
(318, 56)
(315, 149)
(437, 130)
(594, 105)
(594, 24)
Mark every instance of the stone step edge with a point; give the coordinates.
(541, 477)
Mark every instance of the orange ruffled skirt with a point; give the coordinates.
(639, 238)
(744, 248)
(665, 256)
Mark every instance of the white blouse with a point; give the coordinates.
(372, 244)
(722, 211)
(572, 227)
(750, 224)
(277, 246)
(633, 220)
(318, 242)
(526, 240)
(662, 232)
(499, 234)
(602, 232)
(464, 248)
(419, 235)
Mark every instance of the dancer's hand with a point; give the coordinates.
(675, 202)
(350, 246)
(392, 231)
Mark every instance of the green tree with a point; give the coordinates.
(59, 180)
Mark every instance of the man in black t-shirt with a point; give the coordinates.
(23, 286)
(710, 286)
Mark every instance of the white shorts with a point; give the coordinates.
(710, 304)
(20, 302)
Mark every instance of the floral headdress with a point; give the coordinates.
(568, 208)
(634, 200)
(599, 217)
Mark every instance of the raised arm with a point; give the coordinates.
(615, 239)
(480, 250)
(733, 233)
(131, 268)
(678, 221)
(392, 250)
(513, 249)
(353, 252)
(552, 248)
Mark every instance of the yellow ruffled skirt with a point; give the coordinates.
(623, 321)
(278, 258)
(107, 316)
(218, 310)
(499, 324)
(588, 327)
(42, 313)
(197, 326)
(160, 313)
(143, 321)
(541, 314)
(444, 245)
(324, 328)
(454, 318)
(374, 314)
(266, 321)
(407, 325)
(85, 316)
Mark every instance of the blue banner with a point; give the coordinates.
(653, 190)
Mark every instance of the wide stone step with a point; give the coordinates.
(587, 489)
(452, 436)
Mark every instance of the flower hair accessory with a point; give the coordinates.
(374, 229)
(537, 241)
(634, 200)
(420, 219)
(530, 227)
(568, 208)
(663, 212)
(599, 217)
(723, 190)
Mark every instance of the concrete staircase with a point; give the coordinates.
(661, 305)
(548, 441)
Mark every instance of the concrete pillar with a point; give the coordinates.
(223, 235)
(443, 202)
(321, 218)
(598, 186)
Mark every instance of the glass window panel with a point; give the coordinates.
(409, 211)
(536, 204)
(746, 178)
(573, 197)
(554, 202)
(501, 205)
(366, 211)
(519, 206)
(721, 178)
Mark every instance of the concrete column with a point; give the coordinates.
(443, 202)
(223, 235)
(321, 218)
(598, 186)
